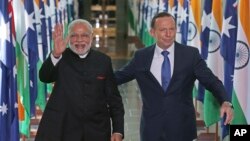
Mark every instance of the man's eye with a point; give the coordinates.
(73, 35)
(85, 35)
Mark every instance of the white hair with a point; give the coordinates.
(80, 21)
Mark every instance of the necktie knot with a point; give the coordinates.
(165, 53)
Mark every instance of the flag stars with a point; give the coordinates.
(31, 83)
(227, 26)
(16, 105)
(179, 17)
(47, 8)
(174, 10)
(61, 6)
(232, 77)
(235, 4)
(10, 15)
(14, 71)
(4, 28)
(3, 109)
(39, 14)
(30, 19)
(184, 16)
(205, 22)
(50, 8)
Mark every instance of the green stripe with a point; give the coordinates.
(239, 117)
(131, 19)
(40, 100)
(211, 109)
(147, 39)
(23, 88)
(195, 92)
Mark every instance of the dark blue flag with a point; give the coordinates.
(185, 22)
(165, 5)
(9, 128)
(70, 9)
(205, 29)
(43, 30)
(31, 36)
(49, 24)
(228, 48)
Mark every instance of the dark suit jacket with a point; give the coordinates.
(170, 116)
(84, 99)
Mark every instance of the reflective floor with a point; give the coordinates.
(132, 103)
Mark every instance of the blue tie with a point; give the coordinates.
(165, 71)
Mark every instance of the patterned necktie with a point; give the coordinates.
(165, 71)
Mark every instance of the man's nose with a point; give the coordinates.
(167, 33)
(79, 38)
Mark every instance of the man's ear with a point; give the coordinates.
(92, 36)
(152, 32)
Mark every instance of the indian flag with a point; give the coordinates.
(42, 51)
(132, 17)
(241, 94)
(22, 68)
(194, 24)
(215, 63)
(193, 36)
(148, 13)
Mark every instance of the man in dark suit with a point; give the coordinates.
(166, 84)
(85, 101)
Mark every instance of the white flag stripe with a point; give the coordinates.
(242, 71)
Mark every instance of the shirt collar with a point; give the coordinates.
(84, 55)
(158, 50)
(81, 56)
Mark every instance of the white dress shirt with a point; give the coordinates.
(157, 61)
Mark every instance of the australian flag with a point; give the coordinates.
(205, 24)
(31, 36)
(9, 128)
(228, 47)
(185, 22)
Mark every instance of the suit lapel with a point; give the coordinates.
(148, 61)
(177, 62)
(149, 53)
